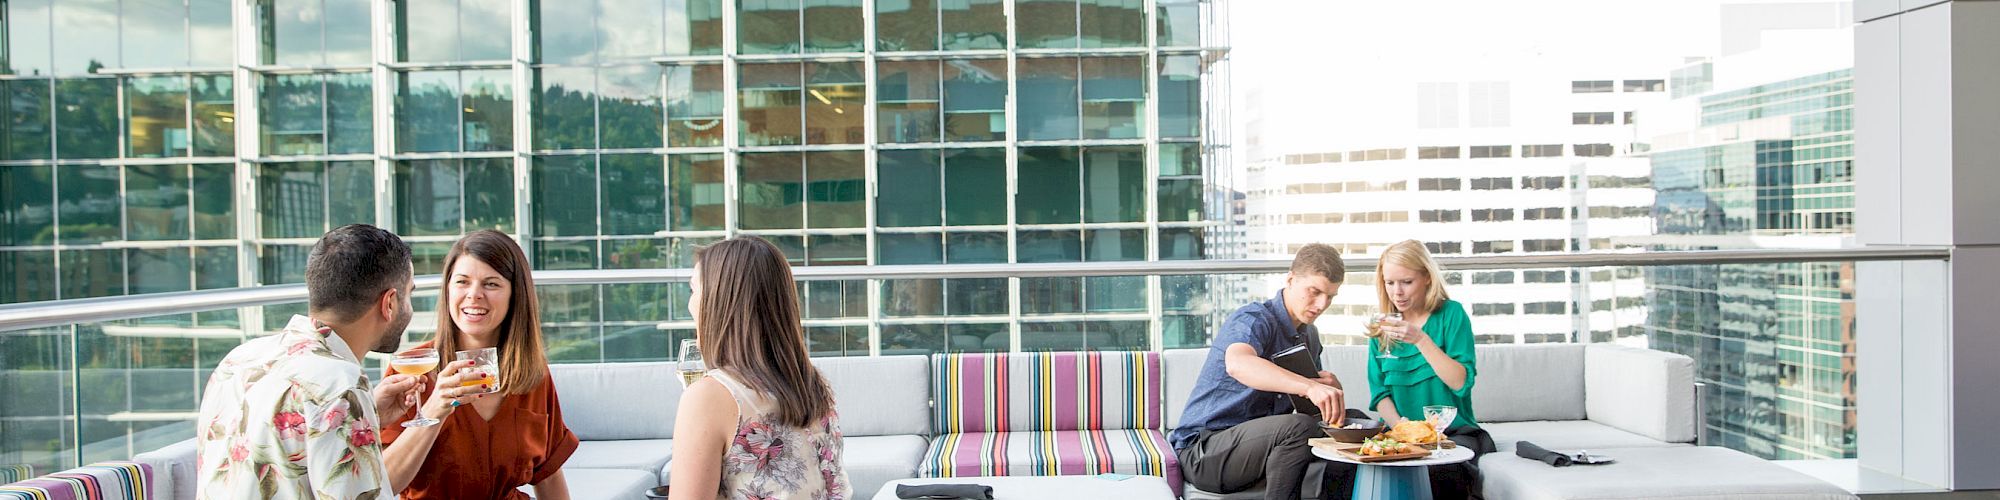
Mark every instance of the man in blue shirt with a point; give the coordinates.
(1239, 428)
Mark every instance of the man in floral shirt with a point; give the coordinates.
(291, 415)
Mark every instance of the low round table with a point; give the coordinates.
(1398, 479)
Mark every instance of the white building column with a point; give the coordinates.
(1927, 172)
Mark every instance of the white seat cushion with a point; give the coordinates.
(1567, 435)
(1656, 472)
(872, 461)
(643, 455)
(606, 484)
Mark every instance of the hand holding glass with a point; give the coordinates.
(1375, 325)
(416, 362)
(486, 361)
(691, 366)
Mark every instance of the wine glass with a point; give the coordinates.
(487, 362)
(416, 362)
(691, 366)
(1374, 326)
(1439, 417)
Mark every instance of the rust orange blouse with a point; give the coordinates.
(524, 443)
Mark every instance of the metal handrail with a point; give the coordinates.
(64, 312)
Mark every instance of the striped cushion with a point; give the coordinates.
(1052, 453)
(1050, 391)
(106, 480)
(12, 473)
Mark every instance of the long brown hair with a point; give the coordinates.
(748, 323)
(522, 363)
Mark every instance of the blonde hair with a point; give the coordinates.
(1410, 254)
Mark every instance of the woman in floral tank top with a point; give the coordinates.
(761, 425)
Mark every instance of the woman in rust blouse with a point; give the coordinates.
(488, 444)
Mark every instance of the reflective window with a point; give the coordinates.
(839, 250)
(694, 27)
(439, 111)
(156, 117)
(911, 248)
(906, 25)
(973, 24)
(27, 122)
(87, 204)
(86, 36)
(834, 112)
(699, 197)
(1180, 96)
(1114, 97)
(454, 30)
(314, 32)
(907, 98)
(975, 248)
(1114, 180)
(771, 194)
(767, 26)
(835, 188)
(27, 276)
(156, 202)
(91, 273)
(1179, 23)
(566, 32)
(565, 108)
(153, 33)
(833, 25)
(316, 114)
(768, 102)
(975, 187)
(565, 195)
(629, 108)
(694, 103)
(1182, 243)
(214, 103)
(1112, 23)
(1045, 24)
(27, 49)
(1048, 193)
(453, 196)
(1047, 246)
(634, 188)
(86, 118)
(1047, 107)
(913, 180)
(305, 199)
(28, 216)
(1115, 245)
(1180, 200)
(975, 100)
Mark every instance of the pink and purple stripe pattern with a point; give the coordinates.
(103, 480)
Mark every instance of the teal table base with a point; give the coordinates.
(1392, 483)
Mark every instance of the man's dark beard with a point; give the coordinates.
(393, 337)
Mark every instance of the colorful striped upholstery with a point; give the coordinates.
(12, 473)
(102, 480)
(1052, 453)
(1048, 414)
(1059, 391)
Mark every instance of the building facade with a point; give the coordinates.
(1526, 165)
(175, 145)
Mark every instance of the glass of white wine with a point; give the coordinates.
(691, 366)
(1374, 326)
(416, 362)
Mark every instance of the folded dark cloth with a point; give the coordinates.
(1529, 451)
(966, 491)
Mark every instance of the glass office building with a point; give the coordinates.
(1773, 342)
(175, 145)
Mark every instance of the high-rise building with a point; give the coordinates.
(175, 145)
(1759, 152)
(1533, 164)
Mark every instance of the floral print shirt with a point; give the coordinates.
(290, 416)
(768, 460)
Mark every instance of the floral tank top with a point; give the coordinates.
(768, 460)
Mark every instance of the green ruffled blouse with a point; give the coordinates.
(1408, 378)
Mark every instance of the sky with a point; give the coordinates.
(1318, 62)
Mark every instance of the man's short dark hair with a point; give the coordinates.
(351, 266)
(1320, 260)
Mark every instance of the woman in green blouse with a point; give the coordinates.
(1427, 361)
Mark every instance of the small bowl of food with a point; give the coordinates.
(1355, 431)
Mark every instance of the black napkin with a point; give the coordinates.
(966, 491)
(1529, 451)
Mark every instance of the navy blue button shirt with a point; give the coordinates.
(1219, 401)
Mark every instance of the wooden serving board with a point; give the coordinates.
(1335, 445)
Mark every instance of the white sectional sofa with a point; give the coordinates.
(1634, 404)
